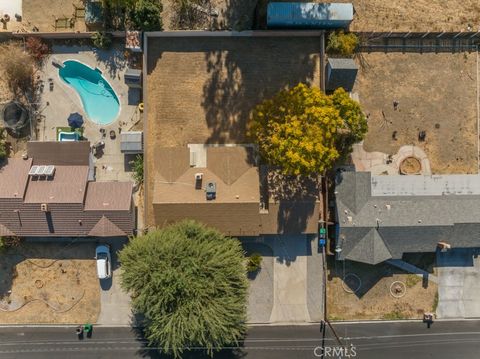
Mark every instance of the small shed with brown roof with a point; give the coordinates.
(68, 153)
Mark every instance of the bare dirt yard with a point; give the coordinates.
(370, 15)
(374, 300)
(49, 283)
(42, 15)
(421, 15)
(436, 93)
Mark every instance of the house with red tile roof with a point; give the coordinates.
(52, 193)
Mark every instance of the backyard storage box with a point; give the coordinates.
(133, 78)
(293, 15)
(341, 73)
(131, 142)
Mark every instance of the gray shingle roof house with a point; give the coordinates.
(383, 217)
(64, 202)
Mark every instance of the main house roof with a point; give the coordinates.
(240, 208)
(383, 217)
(65, 203)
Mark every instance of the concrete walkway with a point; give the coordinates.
(290, 286)
(376, 162)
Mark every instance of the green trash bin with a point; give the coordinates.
(87, 328)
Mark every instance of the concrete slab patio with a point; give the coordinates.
(459, 284)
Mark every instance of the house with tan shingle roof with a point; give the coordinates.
(51, 193)
(223, 187)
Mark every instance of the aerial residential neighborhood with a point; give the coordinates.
(230, 179)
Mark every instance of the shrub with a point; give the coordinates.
(137, 166)
(9, 242)
(101, 40)
(18, 67)
(190, 284)
(3, 150)
(342, 44)
(3, 145)
(37, 48)
(254, 263)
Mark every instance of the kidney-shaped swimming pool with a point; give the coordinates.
(98, 98)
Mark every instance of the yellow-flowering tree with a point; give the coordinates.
(354, 120)
(300, 129)
(343, 44)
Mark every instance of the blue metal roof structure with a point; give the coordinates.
(309, 15)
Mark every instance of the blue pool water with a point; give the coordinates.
(98, 98)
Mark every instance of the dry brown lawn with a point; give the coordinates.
(419, 15)
(373, 300)
(49, 283)
(371, 15)
(202, 90)
(42, 14)
(436, 93)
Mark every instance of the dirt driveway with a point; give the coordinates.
(49, 283)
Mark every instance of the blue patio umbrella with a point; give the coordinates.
(75, 120)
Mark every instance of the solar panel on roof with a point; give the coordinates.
(50, 170)
(33, 171)
(41, 170)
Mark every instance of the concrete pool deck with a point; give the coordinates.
(64, 100)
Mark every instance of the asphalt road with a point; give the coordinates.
(379, 340)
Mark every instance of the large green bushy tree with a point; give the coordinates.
(189, 281)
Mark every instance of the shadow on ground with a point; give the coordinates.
(156, 353)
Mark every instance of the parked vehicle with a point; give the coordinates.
(104, 266)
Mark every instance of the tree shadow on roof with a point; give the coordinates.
(295, 197)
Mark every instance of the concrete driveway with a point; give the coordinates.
(114, 302)
(459, 284)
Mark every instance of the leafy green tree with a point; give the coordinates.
(301, 130)
(119, 3)
(146, 15)
(340, 43)
(189, 281)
